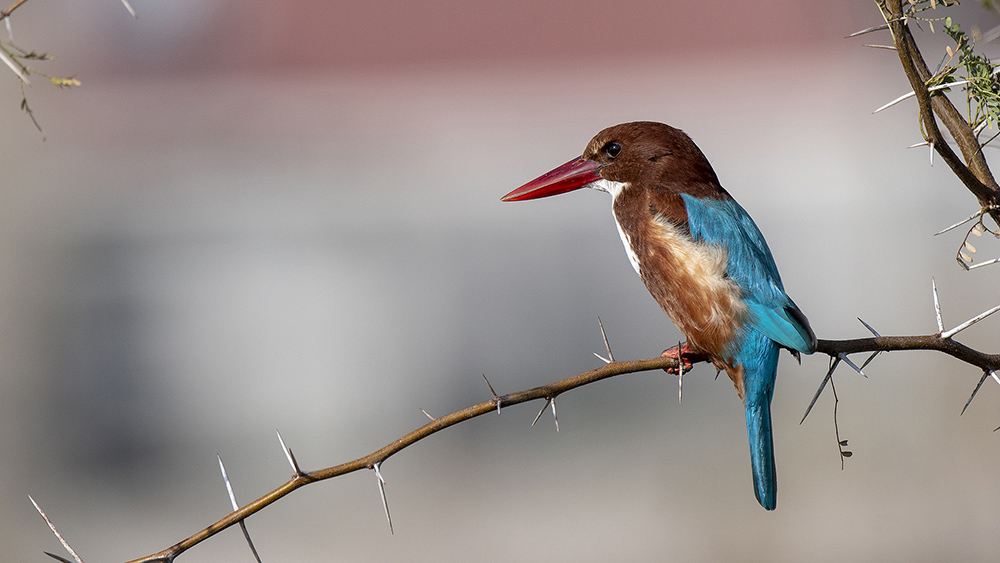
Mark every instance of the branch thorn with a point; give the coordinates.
(56, 532)
(548, 401)
(236, 506)
(130, 9)
(878, 27)
(290, 456)
(986, 373)
(970, 322)
(427, 415)
(848, 361)
(937, 306)
(494, 393)
(829, 376)
(680, 374)
(960, 223)
(381, 492)
(611, 357)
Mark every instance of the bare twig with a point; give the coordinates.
(6, 13)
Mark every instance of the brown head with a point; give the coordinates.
(641, 154)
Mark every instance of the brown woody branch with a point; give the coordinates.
(974, 173)
(11, 8)
(833, 348)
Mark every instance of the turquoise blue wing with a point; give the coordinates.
(724, 223)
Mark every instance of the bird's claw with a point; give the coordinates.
(685, 355)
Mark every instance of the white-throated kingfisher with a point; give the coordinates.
(701, 257)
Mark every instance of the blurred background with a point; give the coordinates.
(285, 215)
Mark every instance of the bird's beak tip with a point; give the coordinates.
(573, 175)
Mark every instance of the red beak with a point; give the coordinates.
(573, 175)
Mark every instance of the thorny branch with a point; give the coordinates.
(974, 173)
(833, 348)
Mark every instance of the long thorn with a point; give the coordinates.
(611, 357)
(870, 358)
(555, 417)
(911, 94)
(986, 374)
(959, 224)
(229, 486)
(236, 506)
(680, 374)
(878, 27)
(14, 67)
(494, 393)
(970, 322)
(602, 358)
(289, 455)
(850, 363)
(875, 332)
(937, 306)
(56, 532)
(539, 415)
(986, 263)
(427, 414)
(130, 9)
(829, 376)
(869, 327)
(381, 492)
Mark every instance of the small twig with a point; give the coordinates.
(6, 13)
(841, 444)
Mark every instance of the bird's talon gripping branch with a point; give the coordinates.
(686, 357)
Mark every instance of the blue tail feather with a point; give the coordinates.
(765, 480)
(759, 357)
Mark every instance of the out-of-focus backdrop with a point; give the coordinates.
(285, 215)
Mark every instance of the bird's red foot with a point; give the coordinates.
(683, 354)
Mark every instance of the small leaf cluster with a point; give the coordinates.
(983, 83)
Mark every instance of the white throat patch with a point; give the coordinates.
(616, 188)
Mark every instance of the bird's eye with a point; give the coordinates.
(612, 149)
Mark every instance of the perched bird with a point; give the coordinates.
(701, 257)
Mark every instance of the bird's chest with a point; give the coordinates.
(688, 280)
